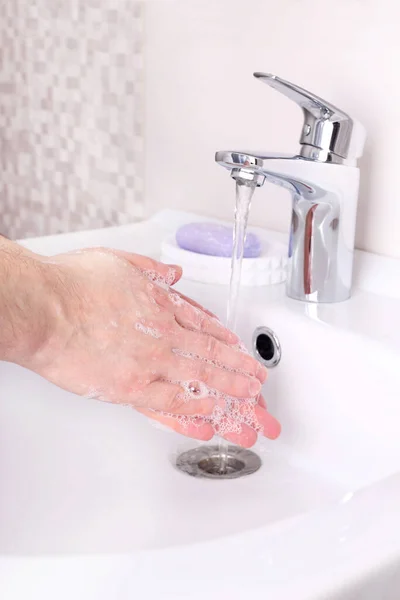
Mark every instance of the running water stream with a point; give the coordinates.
(244, 195)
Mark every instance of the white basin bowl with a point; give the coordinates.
(92, 506)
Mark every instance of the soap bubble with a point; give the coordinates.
(148, 330)
(229, 414)
(163, 281)
(176, 299)
(209, 361)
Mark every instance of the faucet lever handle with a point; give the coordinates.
(328, 133)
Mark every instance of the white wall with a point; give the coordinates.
(201, 97)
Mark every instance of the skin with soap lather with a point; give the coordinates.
(115, 331)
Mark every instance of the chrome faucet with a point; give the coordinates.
(323, 180)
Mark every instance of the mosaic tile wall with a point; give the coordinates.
(71, 115)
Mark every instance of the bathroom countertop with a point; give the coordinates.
(305, 556)
(376, 278)
(373, 273)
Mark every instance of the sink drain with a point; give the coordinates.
(207, 461)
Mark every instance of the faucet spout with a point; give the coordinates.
(324, 206)
(323, 181)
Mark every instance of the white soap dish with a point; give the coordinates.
(268, 269)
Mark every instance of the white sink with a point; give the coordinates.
(92, 507)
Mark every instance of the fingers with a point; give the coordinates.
(191, 316)
(238, 385)
(194, 319)
(209, 348)
(193, 427)
(239, 417)
(246, 438)
(154, 269)
(231, 427)
(173, 398)
(193, 303)
(268, 425)
(261, 401)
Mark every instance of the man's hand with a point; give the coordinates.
(106, 324)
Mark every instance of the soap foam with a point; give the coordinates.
(209, 361)
(223, 421)
(163, 281)
(229, 414)
(192, 390)
(93, 393)
(177, 299)
(183, 420)
(242, 348)
(148, 330)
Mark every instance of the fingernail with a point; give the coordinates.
(233, 338)
(262, 373)
(274, 429)
(254, 388)
(177, 272)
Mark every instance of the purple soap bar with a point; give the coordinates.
(215, 240)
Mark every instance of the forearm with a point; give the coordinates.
(24, 315)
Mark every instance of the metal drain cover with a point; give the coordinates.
(207, 461)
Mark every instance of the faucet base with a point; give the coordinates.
(317, 298)
(323, 221)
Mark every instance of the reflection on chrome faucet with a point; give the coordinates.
(323, 180)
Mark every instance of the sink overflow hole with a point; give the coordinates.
(266, 347)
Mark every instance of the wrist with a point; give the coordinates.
(27, 310)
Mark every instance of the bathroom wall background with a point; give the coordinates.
(201, 96)
(71, 114)
(73, 100)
